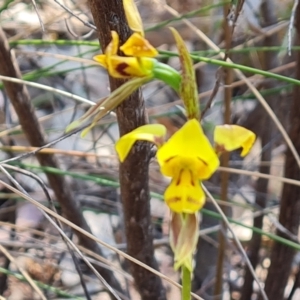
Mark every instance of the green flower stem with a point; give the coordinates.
(186, 283)
(243, 50)
(168, 75)
(243, 68)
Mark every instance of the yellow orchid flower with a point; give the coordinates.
(140, 65)
(186, 157)
(233, 137)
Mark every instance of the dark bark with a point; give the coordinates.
(227, 73)
(296, 284)
(266, 133)
(282, 256)
(20, 100)
(109, 15)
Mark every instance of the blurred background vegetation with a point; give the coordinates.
(50, 45)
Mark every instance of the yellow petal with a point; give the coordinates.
(133, 16)
(152, 133)
(127, 67)
(138, 46)
(232, 137)
(101, 59)
(190, 149)
(184, 194)
(112, 47)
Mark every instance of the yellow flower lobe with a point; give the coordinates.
(233, 137)
(138, 46)
(152, 133)
(184, 194)
(188, 148)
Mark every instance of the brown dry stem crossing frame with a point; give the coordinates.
(109, 15)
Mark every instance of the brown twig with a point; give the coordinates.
(227, 79)
(282, 255)
(109, 15)
(266, 133)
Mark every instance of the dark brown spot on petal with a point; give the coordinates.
(193, 201)
(192, 178)
(173, 200)
(121, 69)
(169, 159)
(202, 161)
(179, 178)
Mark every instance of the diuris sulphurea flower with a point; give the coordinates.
(140, 62)
(187, 158)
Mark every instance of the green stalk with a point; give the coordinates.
(243, 68)
(168, 75)
(186, 283)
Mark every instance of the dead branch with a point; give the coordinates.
(282, 255)
(109, 15)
